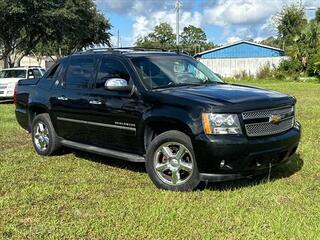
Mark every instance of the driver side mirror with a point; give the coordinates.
(117, 84)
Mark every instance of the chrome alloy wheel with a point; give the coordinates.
(173, 163)
(41, 136)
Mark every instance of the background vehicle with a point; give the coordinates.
(9, 78)
(161, 108)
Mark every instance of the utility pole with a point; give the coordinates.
(118, 39)
(177, 20)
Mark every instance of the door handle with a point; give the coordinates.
(63, 98)
(95, 102)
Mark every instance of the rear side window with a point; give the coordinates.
(80, 72)
(111, 68)
(54, 72)
(37, 73)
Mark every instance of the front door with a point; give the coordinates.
(114, 114)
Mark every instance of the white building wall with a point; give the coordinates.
(33, 61)
(229, 67)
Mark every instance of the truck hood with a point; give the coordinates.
(231, 94)
(9, 80)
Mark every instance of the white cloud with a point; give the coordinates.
(240, 11)
(240, 19)
(144, 25)
(233, 39)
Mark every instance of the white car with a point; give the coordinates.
(10, 76)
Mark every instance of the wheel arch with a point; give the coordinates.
(34, 110)
(156, 125)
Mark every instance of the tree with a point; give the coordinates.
(49, 26)
(317, 18)
(163, 33)
(272, 41)
(290, 22)
(193, 39)
(193, 35)
(301, 40)
(161, 37)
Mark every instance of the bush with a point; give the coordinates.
(290, 66)
(264, 72)
(243, 75)
(279, 75)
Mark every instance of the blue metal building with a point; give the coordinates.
(242, 49)
(241, 57)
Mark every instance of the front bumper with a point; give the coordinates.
(221, 158)
(6, 93)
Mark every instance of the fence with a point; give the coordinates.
(229, 67)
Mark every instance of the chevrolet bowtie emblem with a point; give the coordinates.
(275, 118)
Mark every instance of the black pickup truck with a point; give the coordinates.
(162, 108)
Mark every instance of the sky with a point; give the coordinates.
(224, 21)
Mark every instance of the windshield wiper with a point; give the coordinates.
(178, 85)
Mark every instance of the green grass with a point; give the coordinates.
(85, 196)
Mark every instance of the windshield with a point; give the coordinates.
(171, 71)
(13, 73)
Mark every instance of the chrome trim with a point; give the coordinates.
(104, 151)
(267, 111)
(261, 123)
(96, 124)
(173, 163)
(270, 128)
(266, 128)
(62, 98)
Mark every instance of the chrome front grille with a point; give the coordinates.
(3, 86)
(260, 123)
(266, 113)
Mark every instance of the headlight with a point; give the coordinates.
(221, 124)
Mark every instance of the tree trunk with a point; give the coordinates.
(7, 60)
(18, 60)
(6, 56)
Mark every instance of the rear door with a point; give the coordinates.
(69, 100)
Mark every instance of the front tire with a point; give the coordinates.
(44, 138)
(170, 162)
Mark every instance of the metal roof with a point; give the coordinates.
(237, 43)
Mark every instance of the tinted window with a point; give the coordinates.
(53, 73)
(171, 71)
(13, 74)
(111, 68)
(37, 73)
(80, 72)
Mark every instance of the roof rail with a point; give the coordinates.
(124, 49)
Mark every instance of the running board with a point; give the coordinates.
(103, 151)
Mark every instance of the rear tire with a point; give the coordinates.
(170, 162)
(44, 138)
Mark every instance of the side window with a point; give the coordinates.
(37, 73)
(80, 72)
(54, 72)
(111, 68)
